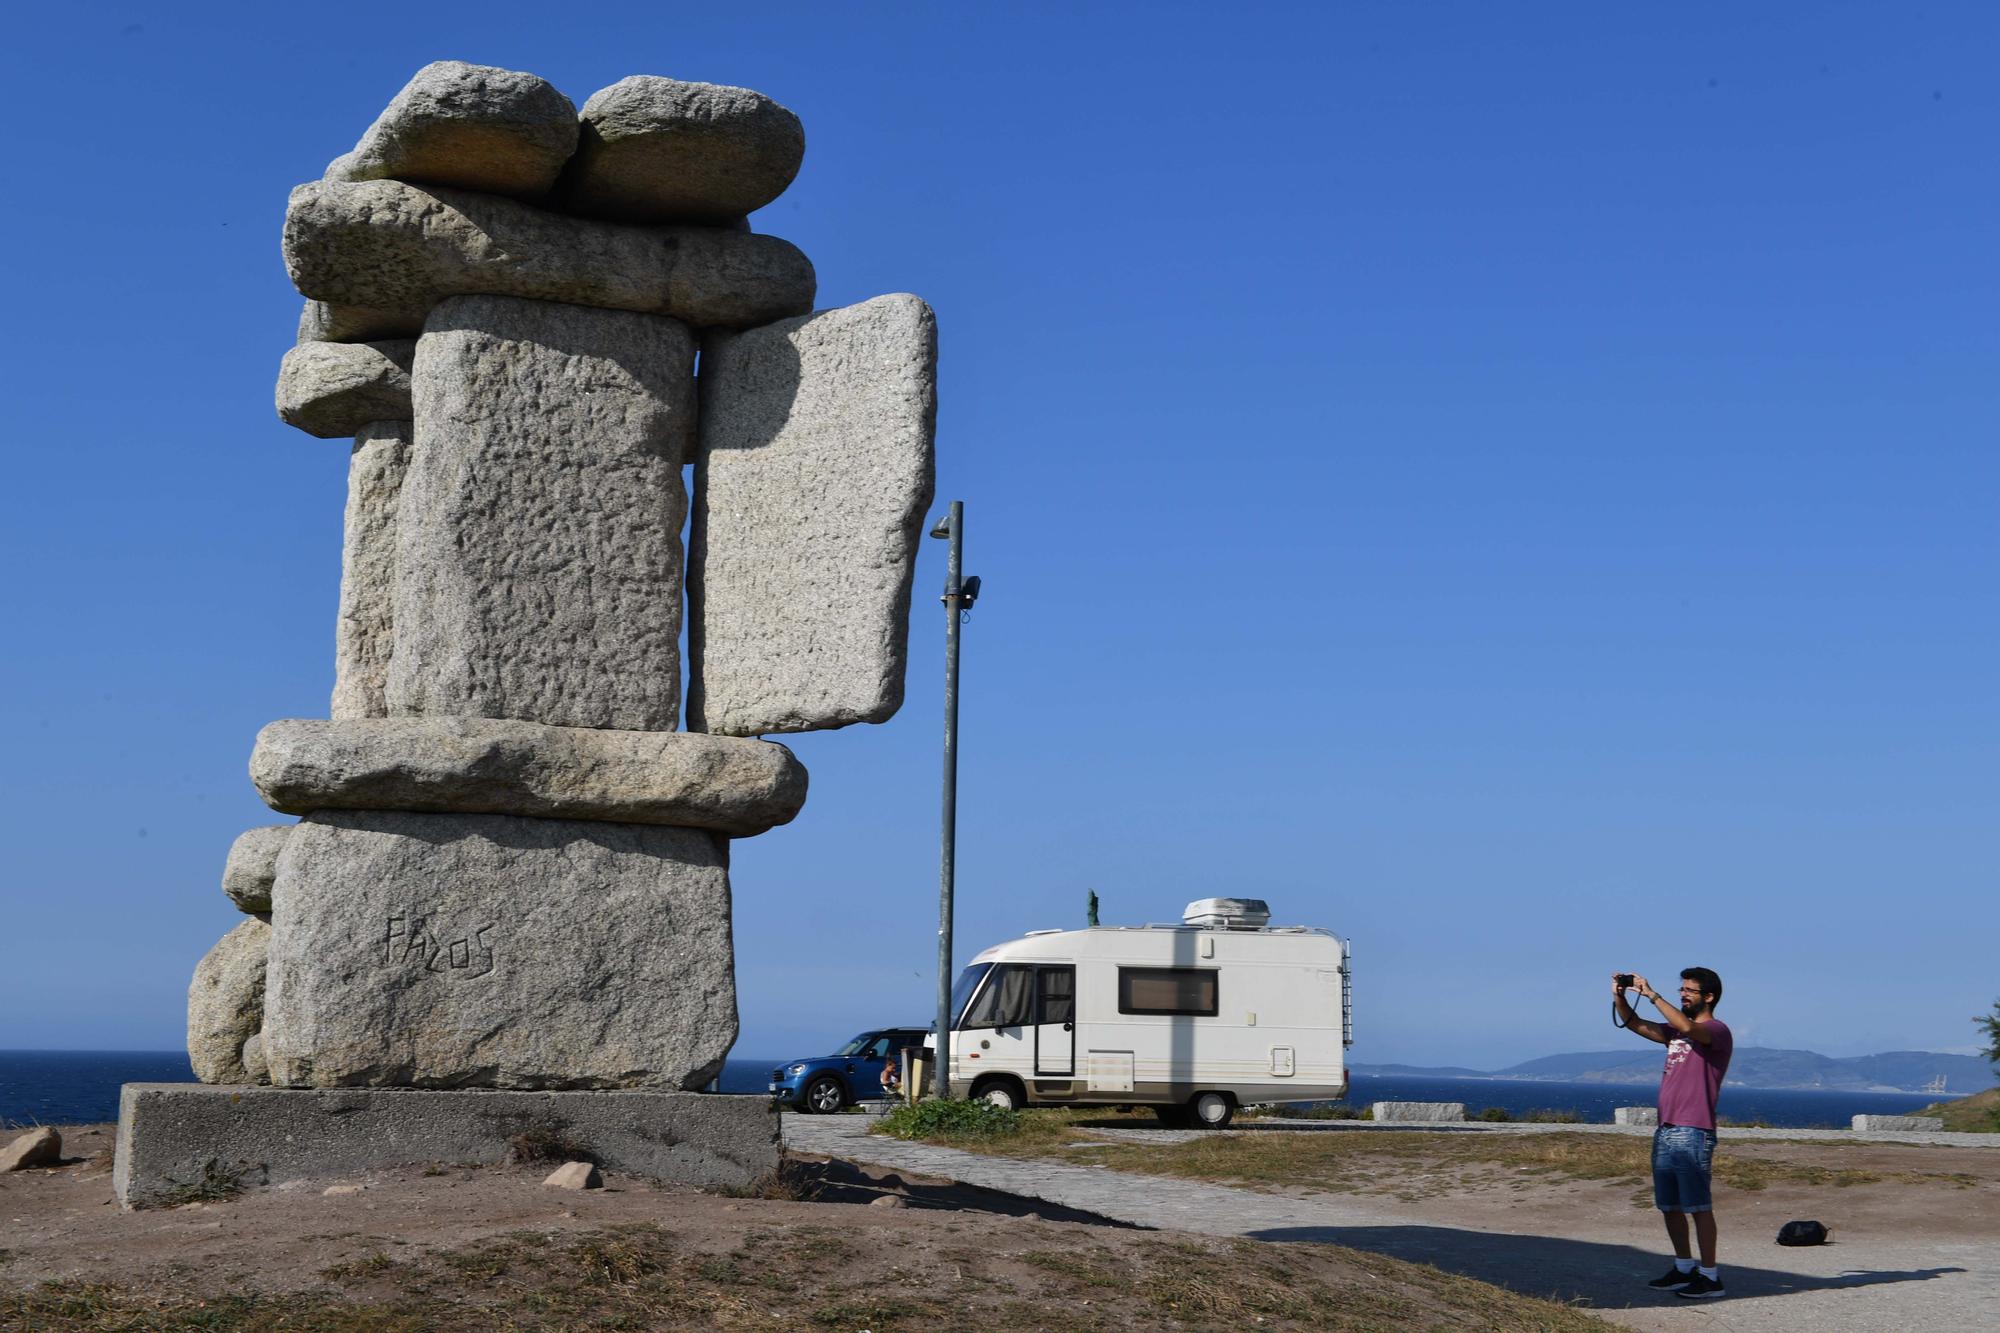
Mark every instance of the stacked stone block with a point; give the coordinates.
(511, 865)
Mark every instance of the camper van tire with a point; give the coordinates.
(1212, 1110)
(1004, 1093)
(824, 1095)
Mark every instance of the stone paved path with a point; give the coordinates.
(1870, 1283)
(1924, 1140)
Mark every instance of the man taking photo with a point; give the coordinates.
(1698, 1047)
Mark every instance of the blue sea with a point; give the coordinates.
(81, 1087)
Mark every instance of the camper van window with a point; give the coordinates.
(1004, 1002)
(1167, 990)
(1058, 986)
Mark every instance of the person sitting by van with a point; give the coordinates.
(892, 1078)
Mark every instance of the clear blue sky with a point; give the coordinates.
(1512, 484)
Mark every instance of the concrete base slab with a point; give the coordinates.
(1418, 1111)
(176, 1140)
(1877, 1123)
(1636, 1115)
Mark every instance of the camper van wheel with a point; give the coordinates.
(1004, 1093)
(824, 1095)
(1212, 1110)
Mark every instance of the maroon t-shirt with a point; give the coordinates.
(1693, 1076)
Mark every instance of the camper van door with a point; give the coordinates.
(999, 1026)
(1055, 1021)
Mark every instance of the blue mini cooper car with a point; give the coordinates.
(851, 1074)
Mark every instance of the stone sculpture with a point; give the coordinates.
(511, 870)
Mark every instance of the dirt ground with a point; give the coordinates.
(64, 1224)
(1934, 1193)
(492, 1247)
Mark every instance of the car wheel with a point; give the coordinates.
(1211, 1110)
(824, 1095)
(998, 1092)
(1173, 1117)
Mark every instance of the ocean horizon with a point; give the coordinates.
(81, 1087)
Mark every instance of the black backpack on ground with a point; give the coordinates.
(1802, 1233)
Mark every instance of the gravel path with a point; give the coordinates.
(1871, 1283)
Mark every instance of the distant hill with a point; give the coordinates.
(1979, 1113)
(1750, 1067)
(1422, 1071)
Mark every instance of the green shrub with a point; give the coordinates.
(217, 1182)
(1551, 1116)
(1494, 1113)
(949, 1120)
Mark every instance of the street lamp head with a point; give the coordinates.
(942, 528)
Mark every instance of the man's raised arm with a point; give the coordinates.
(1628, 1017)
(1670, 1011)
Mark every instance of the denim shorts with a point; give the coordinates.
(1681, 1158)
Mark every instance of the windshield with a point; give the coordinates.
(968, 982)
(1005, 1001)
(855, 1047)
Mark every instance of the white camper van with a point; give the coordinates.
(1194, 1019)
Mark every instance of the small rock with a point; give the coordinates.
(253, 865)
(887, 1201)
(472, 126)
(333, 1190)
(38, 1147)
(665, 150)
(575, 1176)
(320, 322)
(332, 390)
(226, 1003)
(254, 1064)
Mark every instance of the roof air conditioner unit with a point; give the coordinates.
(1228, 914)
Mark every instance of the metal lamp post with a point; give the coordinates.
(959, 595)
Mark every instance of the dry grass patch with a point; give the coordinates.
(362, 1266)
(1248, 1284)
(1413, 1164)
(548, 1143)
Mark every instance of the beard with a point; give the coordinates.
(1691, 1008)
